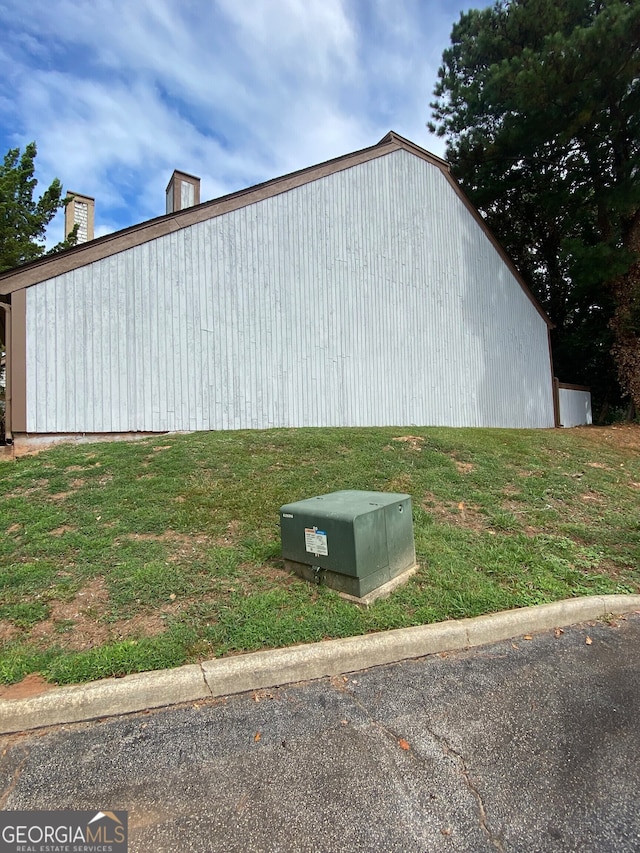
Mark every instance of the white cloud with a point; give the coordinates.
(117, 94)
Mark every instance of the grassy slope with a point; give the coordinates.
(122, 557)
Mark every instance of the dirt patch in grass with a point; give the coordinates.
(8, 631)
(273, 571)
(150, 458)
(609, 569)
(76, 624)
(183, 545)
(172, 536)
(231, 536)
(60, 531)
(592, 497)
(32, 685)
(620, 435)
(471, 517)
(414, 442)
(80, 624)
(511, 491)
(459, 514)
(35, 489)
(464, 467)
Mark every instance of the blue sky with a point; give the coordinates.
(118, 93)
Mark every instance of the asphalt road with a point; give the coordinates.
(530, 745)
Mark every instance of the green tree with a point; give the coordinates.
(23, 220)
(540, 104)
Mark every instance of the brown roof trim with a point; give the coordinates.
(401, 141)
(111, 244)
(568, 386)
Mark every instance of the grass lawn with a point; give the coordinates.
(129, 556)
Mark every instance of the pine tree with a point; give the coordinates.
(540, 104)
(23, 220)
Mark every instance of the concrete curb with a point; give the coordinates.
(259, 670)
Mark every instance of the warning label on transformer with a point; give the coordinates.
(315, 541)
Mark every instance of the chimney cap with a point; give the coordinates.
(178, 173)
(79, 196)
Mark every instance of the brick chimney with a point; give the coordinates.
(182, 191)
(79, 211)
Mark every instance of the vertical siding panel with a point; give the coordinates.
(80, 332)
(188, 239)
(55, 343)
(215, 327)
(139, 270)
(174, 332)
(123, 277)
(247, 367)
(225, 324)
(180, 376)
(35, 316)
(154, 312)
(200, 324)
(165, 366)
(123, 371)
(258, 297)
(215, 332)
(209, 325)
(171, 348)
(149, 311)
(102, 283)
(279, 373)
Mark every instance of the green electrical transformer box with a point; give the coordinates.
(353, 541)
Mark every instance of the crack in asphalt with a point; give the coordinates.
(411, 753)
(394, 736)
(449, 750)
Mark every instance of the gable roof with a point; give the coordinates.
(102, 247)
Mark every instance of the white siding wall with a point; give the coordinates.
(368, 297)
(575, 407)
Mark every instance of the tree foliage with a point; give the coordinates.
(540, 104)
(23, 220)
